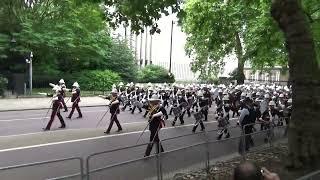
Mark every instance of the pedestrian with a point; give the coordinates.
(75, 99)
(56, 106)
(156, 122)
(114, 111)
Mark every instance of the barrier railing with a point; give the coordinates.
(80, 174)
(312, 176)
(163, 165)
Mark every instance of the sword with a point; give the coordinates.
(102, 118)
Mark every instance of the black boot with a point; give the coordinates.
(148, 150)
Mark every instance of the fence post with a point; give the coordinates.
(88, 168)
(159, 164)
(243, 138)
(207, 154)
(81, 169)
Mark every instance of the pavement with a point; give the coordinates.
(22, 141)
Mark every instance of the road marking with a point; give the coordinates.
(26, 119)
(86, 139)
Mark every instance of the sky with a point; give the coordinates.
(161, 45)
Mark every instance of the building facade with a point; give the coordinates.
(276, 74)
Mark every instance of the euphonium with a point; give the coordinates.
(152, 111)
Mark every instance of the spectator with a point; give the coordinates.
(250, 171)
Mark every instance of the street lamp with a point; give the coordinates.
(29, 61)
(172, 22)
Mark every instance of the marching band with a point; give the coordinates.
(250, 103)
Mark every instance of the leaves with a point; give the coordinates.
(154, 74)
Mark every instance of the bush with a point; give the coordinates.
(3, 85)
(155, 74)
(98, 80)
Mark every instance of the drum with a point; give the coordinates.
(177, 111)
(198, 116)
(184, 105)
(138, 104)
(222, 122)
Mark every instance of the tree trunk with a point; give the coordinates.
(239, 52)
(304, 129)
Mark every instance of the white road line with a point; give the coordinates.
(79, 140)
(85, 139)
(25, 119)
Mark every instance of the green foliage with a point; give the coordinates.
(154, 74)
(98, 80)
(65, 37)
(139, 13)
(122, 61)
(3, 85)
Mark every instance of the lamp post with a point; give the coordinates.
(29, 61)
(171, 46)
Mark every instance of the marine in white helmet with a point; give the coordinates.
(56, 105)
(75, 99)
(63, 91)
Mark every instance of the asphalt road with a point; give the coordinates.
(26, 127)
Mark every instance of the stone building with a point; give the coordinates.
(276, 74)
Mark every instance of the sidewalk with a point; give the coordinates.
(40, 103)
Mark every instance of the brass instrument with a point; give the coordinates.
(152, 111)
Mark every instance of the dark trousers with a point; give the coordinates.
(53, 114)
(154, 138)
(134, 108)
(113, 119)
(165, 103)
(64, 105)
(180, 118)
(195, 105)
(75, 106)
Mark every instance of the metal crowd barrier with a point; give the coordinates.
(160, 166)
(80, 174)
(312, 176)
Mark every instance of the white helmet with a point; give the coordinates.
(56, 88)
(114, 91)
(290, 100)
(61, 81)
(149, 84)
(272, 103)
(281, 95)
(121, 84)
(200, 94)
(266, 96)
(225, 92)
(75, 84)
(225, 98)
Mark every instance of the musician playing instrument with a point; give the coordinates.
(156, 122)
(203, 103)
(114, 110)
(182, 106)
(75, 99)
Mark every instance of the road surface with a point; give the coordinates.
(22, 141)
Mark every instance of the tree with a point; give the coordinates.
(65, 36)
(154, 74)
(304, 135)
(303, 66)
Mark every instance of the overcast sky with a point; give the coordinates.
(161, 45)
